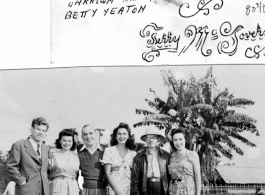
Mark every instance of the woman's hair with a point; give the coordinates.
(176, 131)
(65, 132)
(130, 143)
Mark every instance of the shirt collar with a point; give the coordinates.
(145, 151)
(97, 147)
(33, 141)
(34, 144)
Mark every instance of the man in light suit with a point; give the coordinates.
(28, 161)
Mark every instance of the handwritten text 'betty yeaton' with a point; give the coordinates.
(129, 7)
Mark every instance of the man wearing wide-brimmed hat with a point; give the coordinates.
(150, 167)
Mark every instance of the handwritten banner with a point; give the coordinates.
(119, 32)
(158, 40)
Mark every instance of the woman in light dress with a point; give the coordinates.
(184, 167)
(118, 159)
(64, 165)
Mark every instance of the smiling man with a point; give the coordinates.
(28, 161)
(91, 169)
(150, 174)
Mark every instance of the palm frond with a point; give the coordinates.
(168, 86)
(231, 129)
(200, 95)
(217, 152)
(232, 145)
(152, 105)
(157, 117)
(144, 112)
(222, 107)
(185, 114)
(158, 124)
(223, 151)
(205, 108)
(229, 112)
(218, 133)
(160, 103)
(207, 92)
(219, 98)
(207, 135)
(191, 84)
(189, 96)
(237, 117)
(239, 137)
(173, 82)
(197, 131)
(209, 72)
(240, 102)
(242, 126)
(192, 78)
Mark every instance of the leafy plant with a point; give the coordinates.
(205, 113)
(4, 178)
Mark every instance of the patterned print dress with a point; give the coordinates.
(182, 176)
(121, 175)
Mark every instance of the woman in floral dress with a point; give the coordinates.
(118, 159)
(184, 167)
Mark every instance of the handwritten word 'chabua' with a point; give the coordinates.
(159, 41)
(107, 11)
(85, 2)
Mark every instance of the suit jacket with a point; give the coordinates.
(24, 165)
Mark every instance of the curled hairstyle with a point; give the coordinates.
(130, 143)
(74, 131)
(176, 131)
(39, 121)
(65, 132)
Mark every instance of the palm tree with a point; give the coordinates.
(203, 112)
(101, 132)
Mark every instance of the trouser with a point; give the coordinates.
(154, 188)
(96, 191)
(42, 189)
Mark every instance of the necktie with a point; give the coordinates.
(38, 150)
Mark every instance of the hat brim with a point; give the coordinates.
(143, 136)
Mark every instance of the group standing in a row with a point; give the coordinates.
(114, 170)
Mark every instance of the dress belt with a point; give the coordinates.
(117, 168)
(154, 179)
(63, 177)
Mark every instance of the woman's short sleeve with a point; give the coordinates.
(107, 157)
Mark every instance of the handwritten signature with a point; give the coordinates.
(159, 40)
(166, 42)
(185, 10)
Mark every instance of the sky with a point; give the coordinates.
(105, 96)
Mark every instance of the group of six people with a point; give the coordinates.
(115, 170)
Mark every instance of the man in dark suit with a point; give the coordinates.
(28, 161)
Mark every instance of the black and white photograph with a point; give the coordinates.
(133, 130)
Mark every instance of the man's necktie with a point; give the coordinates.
(38, 150)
